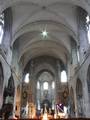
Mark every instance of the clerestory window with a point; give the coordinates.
(88, 27)
(1, 27)
(38, 85)
(45, 85)
(63, 76)
(53, 85)
(26, 80)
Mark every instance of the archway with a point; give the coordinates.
(1, 84)
(8, 98)
(79, 94)
(45, 90)
(88, 81)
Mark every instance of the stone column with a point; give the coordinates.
(1, 85)
(7, 37)
(82, 33)
(14, 103)
(58, 79)
(76, 108)
(74, 59)
(7, 28)
(59, 70)
(32, 81)
(86, 102)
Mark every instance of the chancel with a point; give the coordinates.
(44, 59)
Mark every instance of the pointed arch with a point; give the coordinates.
(9, 91)
(11, 86)
(79, 90)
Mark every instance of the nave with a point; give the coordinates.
(44, 59)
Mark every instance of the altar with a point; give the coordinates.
(45, 113)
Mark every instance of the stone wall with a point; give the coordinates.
(80, 71)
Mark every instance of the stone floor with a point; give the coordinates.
(56, 119)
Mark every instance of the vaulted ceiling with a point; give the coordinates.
(58, 17)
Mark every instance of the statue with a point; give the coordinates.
(32, 110)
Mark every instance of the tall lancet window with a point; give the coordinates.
(88, 27)
(45, 85)
(53, 85)
(1, 27)
(38, 85)
(26, 80)
(78, 55)
(63, 76)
